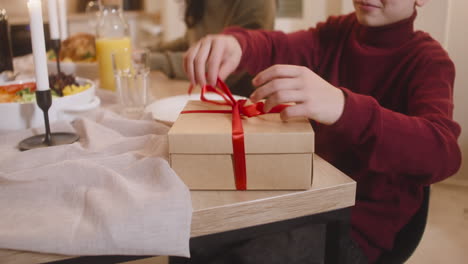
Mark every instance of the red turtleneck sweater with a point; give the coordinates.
(396, 133)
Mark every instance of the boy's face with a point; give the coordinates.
(376, 13)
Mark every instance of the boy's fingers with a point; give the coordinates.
(274, 86)
(275, 72)
(227, 67)
(292, 111)
(200, 60)
(214, 61)
(283, 97)
(232, 55)
(189, 60)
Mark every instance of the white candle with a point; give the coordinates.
(36, 26)
(62, 6)
(53, 19)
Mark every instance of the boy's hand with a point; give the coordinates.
(217, 55)
(315, 98)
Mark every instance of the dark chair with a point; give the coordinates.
(409, 237)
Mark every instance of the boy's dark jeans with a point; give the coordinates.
(302, 245)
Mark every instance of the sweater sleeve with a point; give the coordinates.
(262, 49)
(421, 144)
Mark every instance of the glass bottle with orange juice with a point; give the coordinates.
(112, 36)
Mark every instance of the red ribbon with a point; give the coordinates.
(238, 108)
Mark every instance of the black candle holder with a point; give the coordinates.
(44, 101)
(56, 45)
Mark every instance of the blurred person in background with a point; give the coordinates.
(204, 17)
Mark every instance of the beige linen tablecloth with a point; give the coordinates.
(112, 192)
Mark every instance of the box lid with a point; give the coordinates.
(211, 133)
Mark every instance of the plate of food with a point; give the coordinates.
(77, 56)
(167, 110)
(71, 96)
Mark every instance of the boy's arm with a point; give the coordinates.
(422, 143)
(262, 49)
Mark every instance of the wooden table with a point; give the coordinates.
(238, 213)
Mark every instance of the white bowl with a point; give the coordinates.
(15, 116)
(88, 70)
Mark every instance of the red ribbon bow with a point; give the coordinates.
(238, 108)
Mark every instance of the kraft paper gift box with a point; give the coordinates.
(278, 154)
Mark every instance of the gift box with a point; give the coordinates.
(277, 154)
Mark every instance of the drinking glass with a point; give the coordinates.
(131, 74)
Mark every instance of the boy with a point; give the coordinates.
(379, 95)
